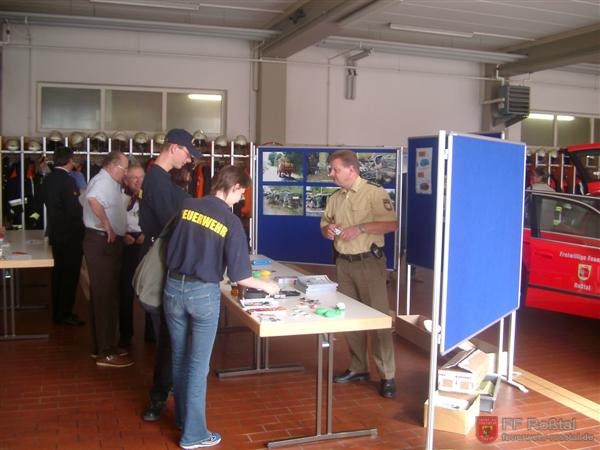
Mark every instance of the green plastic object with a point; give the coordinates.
(327, 312)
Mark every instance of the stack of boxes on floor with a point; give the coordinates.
(465, 388)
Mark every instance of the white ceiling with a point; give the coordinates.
(526, 35)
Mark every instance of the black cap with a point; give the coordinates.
(179, 136)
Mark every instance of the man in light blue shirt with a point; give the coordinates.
(105, 222)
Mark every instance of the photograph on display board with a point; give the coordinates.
(283, 166)
(317, 167)
(379, 168)
(283, 200)
(316, 199)
(392, 193)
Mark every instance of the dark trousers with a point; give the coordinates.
(163, 372)
(65, 277)
(130, 260)
(104, 266)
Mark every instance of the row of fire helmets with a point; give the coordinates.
(240, 140)
(15, 145)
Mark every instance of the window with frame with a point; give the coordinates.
(68, 107)
(559, 130)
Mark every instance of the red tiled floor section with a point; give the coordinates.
(53, 397)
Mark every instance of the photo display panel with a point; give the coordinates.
(482, 235)
(421, 191)
(421, 188)
(293, 188)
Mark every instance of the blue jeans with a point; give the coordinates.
(192, 315)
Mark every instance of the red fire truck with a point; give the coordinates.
(561, 250)
(586, 160)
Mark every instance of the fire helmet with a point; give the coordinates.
(240, 140)
(76, 138)
(34, 146)
(140, 138)
(119, 136)
(100, 136)
(221, 141)
(55, 136)
(12, 144)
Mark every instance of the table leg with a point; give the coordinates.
(10, 309)
(325, 341)
(4, 305)
(261, 363)
(18, 305)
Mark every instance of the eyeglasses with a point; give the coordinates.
(187, 152)
(122, 168)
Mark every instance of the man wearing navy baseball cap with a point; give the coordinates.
(181, 138)
(160, 199)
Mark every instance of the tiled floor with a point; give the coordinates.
(52, 396)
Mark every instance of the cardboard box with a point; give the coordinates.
(488, 396)
(411, 328)
(492, 351)
(458, 419)
(464, 372)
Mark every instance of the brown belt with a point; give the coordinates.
(357, 257)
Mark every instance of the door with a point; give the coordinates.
(562, 253)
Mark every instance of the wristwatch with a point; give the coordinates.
(361, 228)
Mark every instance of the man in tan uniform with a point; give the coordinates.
(356, 218)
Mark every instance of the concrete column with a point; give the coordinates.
(271, 103)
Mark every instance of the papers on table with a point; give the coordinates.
(316, 284)
(264, 309)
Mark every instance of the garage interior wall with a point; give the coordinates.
(396, 96)
(111, 57)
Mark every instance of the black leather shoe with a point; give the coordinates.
(387, 388)
(72, 322)
(153, 411)
(349, 376)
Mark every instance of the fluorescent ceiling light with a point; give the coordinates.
(151, 4)
(241, 8)
(188, 6)
(409, 28)
(461, 34)
(502, 36)
(206, 97)
(540, 116)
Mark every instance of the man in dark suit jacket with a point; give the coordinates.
(65, 232)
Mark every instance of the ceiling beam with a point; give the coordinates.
(573, 47)
(250, 34)
(311, 22)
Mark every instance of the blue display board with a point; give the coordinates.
(421, 191)
(482, 235)
(293, 187)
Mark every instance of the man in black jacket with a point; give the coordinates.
(161, 199)
(65, 232)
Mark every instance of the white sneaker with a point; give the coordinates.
(212, 440)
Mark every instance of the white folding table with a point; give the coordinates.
(28, 249)
(356, 317)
